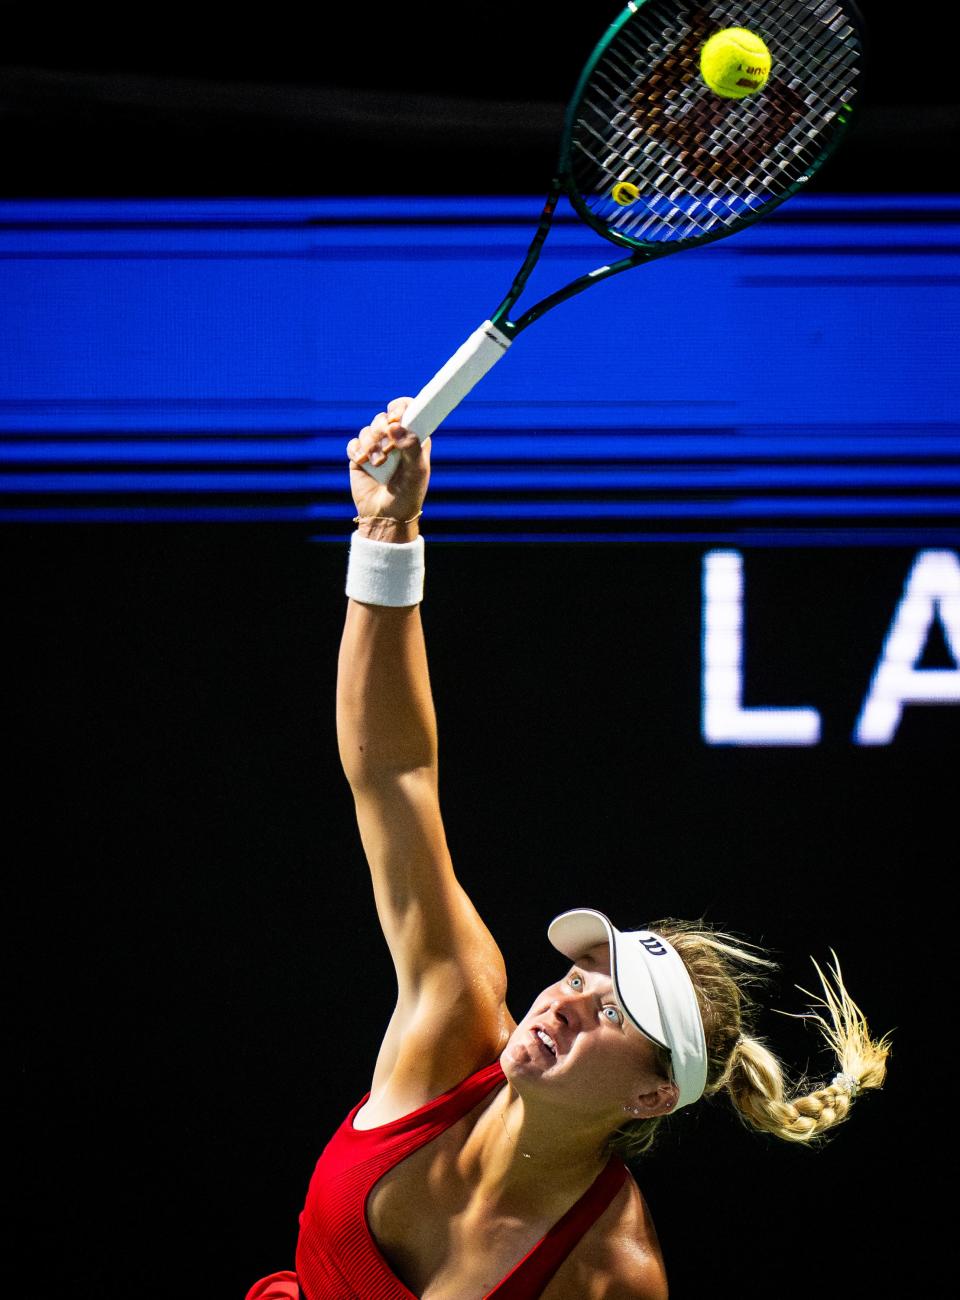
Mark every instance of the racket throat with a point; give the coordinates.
(500, 317)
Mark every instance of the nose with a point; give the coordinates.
(568, 1006)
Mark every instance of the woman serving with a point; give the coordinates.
(488, 1158)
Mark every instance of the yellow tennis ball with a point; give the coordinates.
(624, 193)
(735, 63)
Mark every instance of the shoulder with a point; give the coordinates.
(455, 1028)
(618, 1259)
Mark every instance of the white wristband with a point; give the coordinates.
(385, 573)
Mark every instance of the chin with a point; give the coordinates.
(521, 1060)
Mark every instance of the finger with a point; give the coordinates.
(381, 449)
(405, 441)
(381, 436)
(370, 438)
(393, 436)
(374, 447)
(357, 452)
(396, 408)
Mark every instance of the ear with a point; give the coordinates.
(659, 1102)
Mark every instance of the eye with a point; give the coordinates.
(576, 982)
(613, 1014)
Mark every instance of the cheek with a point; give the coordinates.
(616, 1063)
(603, 1057)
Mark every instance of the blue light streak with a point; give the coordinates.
(805, 370)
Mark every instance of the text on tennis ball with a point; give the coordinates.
(735, 63)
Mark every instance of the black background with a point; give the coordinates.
(202, 982)
(424, 98)
(200, 985)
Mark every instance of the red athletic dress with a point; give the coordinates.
(337, 1258)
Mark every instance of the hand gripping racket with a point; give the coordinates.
(656, 161)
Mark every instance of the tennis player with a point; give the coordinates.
(488, 1159)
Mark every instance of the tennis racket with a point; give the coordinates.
(657, 162)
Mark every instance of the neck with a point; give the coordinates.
(529, 1156)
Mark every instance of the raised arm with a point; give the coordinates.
(450, 1015)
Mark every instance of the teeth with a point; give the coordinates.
(545, 1038)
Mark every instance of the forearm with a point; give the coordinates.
(385, 717)
(387, 732)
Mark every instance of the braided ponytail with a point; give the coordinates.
(724, 970)
(755, 1080)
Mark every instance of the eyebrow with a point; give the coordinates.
(585, 960)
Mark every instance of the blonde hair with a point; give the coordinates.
(724, 970)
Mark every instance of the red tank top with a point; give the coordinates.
(337, 1258)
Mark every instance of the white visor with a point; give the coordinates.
(652, 986)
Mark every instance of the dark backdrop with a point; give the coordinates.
(424, 98)
(201, 981)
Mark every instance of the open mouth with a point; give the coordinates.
(546, 1042)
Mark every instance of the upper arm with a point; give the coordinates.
(625, 1272)
(619, 1257)
(451, 983)
(451, 1013)
(639, 1278)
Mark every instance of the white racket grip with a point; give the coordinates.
(447, 389)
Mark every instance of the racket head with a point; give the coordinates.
(704, 166)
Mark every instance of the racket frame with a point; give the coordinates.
(655, 248)
(643, 251)
(503, 329)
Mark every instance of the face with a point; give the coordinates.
(577, 1046)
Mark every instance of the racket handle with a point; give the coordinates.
(447, 389)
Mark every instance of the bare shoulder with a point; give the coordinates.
(618, 1259)
(457, 1026)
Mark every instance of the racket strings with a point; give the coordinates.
(699, 161)
(739, 161)
(734, 156)
(781, 106)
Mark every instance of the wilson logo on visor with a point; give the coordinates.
(654, 947)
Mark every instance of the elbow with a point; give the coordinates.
(370, 766)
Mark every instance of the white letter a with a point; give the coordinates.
(932, 588)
